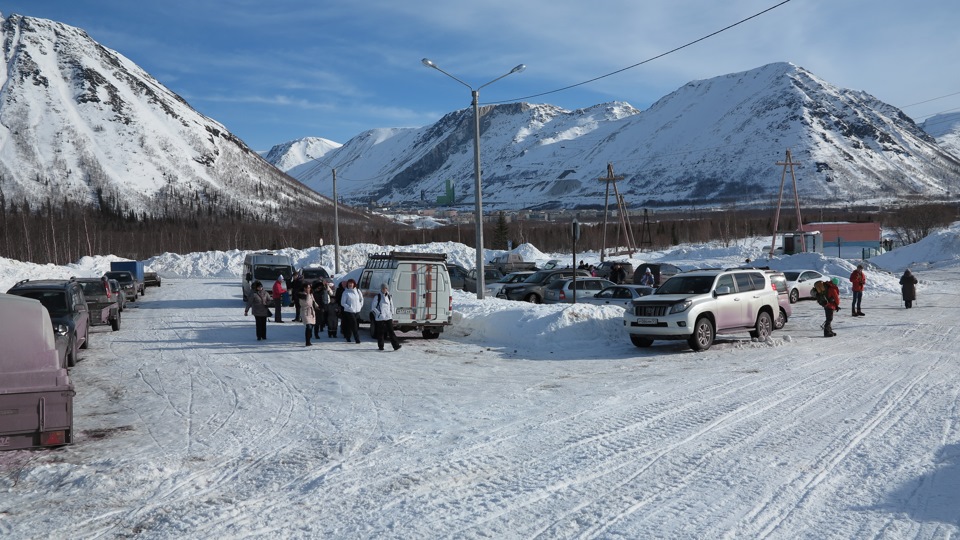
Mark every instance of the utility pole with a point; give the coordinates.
(646, 239)
(796, 197)
(610, 178)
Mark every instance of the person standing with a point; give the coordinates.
(830, 301)
(332, 309)
(352, 303)
(296, 288)
(908, 287)
(858, 280)
(647, 278)
(382, 310)
(259, 302)
(279, 288)
(318, 287)
(617, 274)
(308, 311)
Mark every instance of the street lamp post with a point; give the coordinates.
(475, 92)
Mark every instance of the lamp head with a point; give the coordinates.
(517, 69)
(429, 63)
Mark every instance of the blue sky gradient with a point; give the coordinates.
(276, 71)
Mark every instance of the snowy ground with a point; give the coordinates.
(522, 421)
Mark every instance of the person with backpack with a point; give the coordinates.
(382, 311)
(858, 280)
(828, 295)
(908, 287)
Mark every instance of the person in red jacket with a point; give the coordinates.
(279, 287)
(858, 280)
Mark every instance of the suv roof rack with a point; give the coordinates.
(409, 256)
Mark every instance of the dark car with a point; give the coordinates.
(532, 288)
(605, 270)
(312, 274)
(151, 279)
(68, 313)
(458, 275)
(101, 303)
(127, 283)
(490, 275)
(117, 291)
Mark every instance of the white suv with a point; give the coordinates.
(697, 305)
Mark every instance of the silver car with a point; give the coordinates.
(561, 290)
(617, 295)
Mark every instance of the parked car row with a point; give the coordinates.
(44, 323)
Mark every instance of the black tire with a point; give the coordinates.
(703, 335)
(794, 296)
(781, 320)
(430, 334)
(640, 341)
(115, 323)
(763, 327)
(533, 298)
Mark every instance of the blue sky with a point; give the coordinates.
(276, 71)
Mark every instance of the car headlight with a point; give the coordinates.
(61, 329)
(680, 307)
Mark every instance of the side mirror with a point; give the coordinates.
(722, 291)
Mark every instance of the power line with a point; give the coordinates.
(642, 62)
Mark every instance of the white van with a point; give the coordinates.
(420, 285)
(264, 267)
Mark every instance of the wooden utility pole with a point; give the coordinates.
(796, 197)
(646, 239)
(613, 179)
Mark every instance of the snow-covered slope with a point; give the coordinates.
(288, 155)
(80, 122)
(711, 142)
(946, 129)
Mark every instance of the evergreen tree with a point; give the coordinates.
(501, 234)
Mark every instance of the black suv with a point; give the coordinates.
(68, 312)
(101, 303)
(127, 282)
(531, 289)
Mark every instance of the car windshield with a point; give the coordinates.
(54, 301)
(122, 277)
(93, 288)
(537, 277)
(686, 285)
(271, 272)
(314, 273)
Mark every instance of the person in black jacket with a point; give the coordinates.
(908, 287)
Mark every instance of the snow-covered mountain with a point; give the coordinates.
(712, 142)
(288, 155)
(80, 122)
(946, 129)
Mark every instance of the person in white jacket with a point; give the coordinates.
(382, 310)
(352, 302)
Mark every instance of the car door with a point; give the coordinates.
(729, 307)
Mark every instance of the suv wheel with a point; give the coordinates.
(640, 341)
(533, 298)
(794, 296)
(702, 337)
(764, 327)
(781, 320)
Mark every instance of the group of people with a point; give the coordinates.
(829, 295)
(319, 306)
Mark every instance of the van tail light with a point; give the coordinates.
(106, 285)
(773, 286)
(563, 295)
(53, 438)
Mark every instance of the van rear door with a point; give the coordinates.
(417, 291)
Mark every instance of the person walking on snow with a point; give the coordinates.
(332, 309)
(382, 310)
(278, 289)
(858, 280)
(908, 287)
(831, 303)
(259, 302)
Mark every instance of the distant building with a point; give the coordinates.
(448, 198)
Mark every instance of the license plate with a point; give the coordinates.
(404, 310)
(646, 321)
